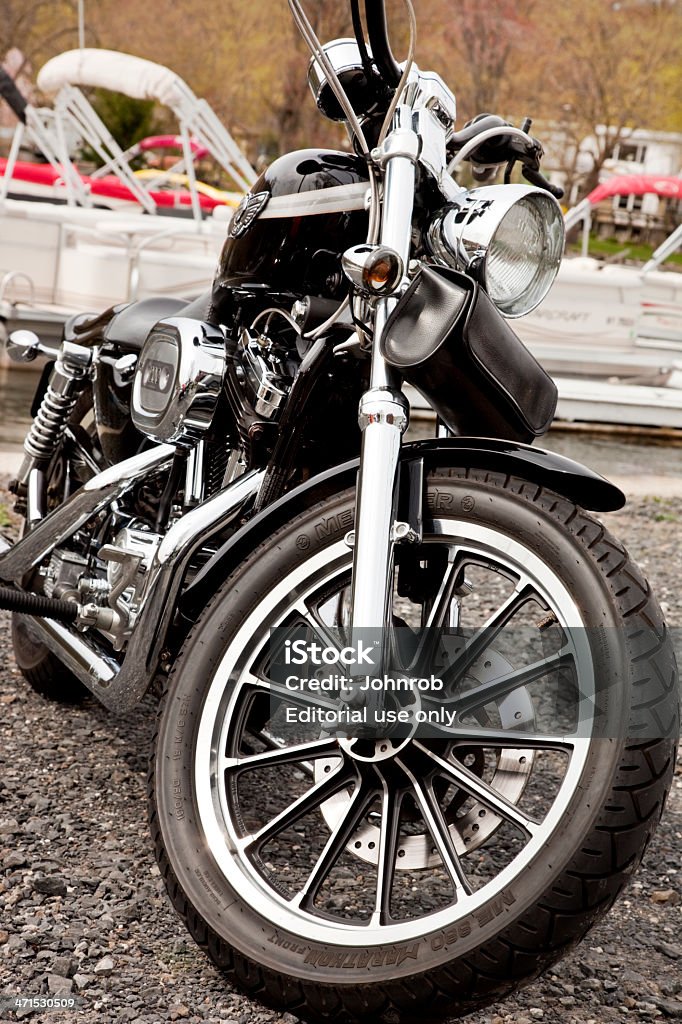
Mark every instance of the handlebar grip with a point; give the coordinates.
(480, 124)
(11, 95)
(538, 179)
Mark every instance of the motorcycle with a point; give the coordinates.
(417, 707)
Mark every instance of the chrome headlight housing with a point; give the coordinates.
(509, 237)
(344, 56)
(178, 380)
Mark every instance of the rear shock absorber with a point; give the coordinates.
(69, 376)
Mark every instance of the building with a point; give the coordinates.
(647, 218)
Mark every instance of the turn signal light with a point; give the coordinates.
(373, 269)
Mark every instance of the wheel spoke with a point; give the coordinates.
(441, 603)
(483, 637)
(471, 736)
(341, 834)
(479, 789)
(439, 830)
(495, 689)
(281, 755)
(324, 632)
(414, 827)
(309, 801)
(283, 692)
(435, 621)
(388, 853)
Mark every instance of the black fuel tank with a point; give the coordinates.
(287, 239)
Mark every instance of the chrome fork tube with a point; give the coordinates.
(382, 419)
(383, 413)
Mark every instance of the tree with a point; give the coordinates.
(128, 119)
(609, 64)
(295, 119)
(487, 49)
(37, 28)
(591, 62)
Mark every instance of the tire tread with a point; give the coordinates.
(571, 904)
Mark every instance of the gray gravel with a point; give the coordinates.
(83, 910)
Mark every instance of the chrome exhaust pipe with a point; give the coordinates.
(89, 667)
(18, 559)
(120, 687)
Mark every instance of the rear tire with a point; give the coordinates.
(313, 960)
(42, 671)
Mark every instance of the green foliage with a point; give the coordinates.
(128, 120)
(611, 247)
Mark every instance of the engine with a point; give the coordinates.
(259, 377)
(109, 581)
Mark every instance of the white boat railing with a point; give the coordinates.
(50, 130)
(45, 132)
(83, 257)
(10, 278)
(671, 244)
(581, 213)
(71, 108)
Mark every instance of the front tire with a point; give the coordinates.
(499, 850)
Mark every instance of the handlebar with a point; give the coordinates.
(375, 13)
(538, 179)
(500, 146)
(496, 148)
(11, 95)
(480, 124)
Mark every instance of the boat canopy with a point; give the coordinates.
(621, 185)
(201, 132)
(636, 185)
(106, 69)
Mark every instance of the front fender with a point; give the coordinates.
(536, 465)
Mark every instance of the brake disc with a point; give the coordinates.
(469, 830)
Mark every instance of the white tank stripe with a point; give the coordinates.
(325, 200)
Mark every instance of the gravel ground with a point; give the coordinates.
(83, 910)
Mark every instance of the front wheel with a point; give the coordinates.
(418, 875)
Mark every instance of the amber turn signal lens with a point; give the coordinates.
(383, 274)
(373, 269)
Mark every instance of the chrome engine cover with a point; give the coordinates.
(178, 380)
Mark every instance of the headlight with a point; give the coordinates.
(509, 237)
(345, 58)
(178, 380)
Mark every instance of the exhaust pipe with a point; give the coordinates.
(18, 559)
(89, 667)
(121, 687)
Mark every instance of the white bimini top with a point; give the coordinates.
(106, 69)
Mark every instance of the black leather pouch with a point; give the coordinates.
(448, 340)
